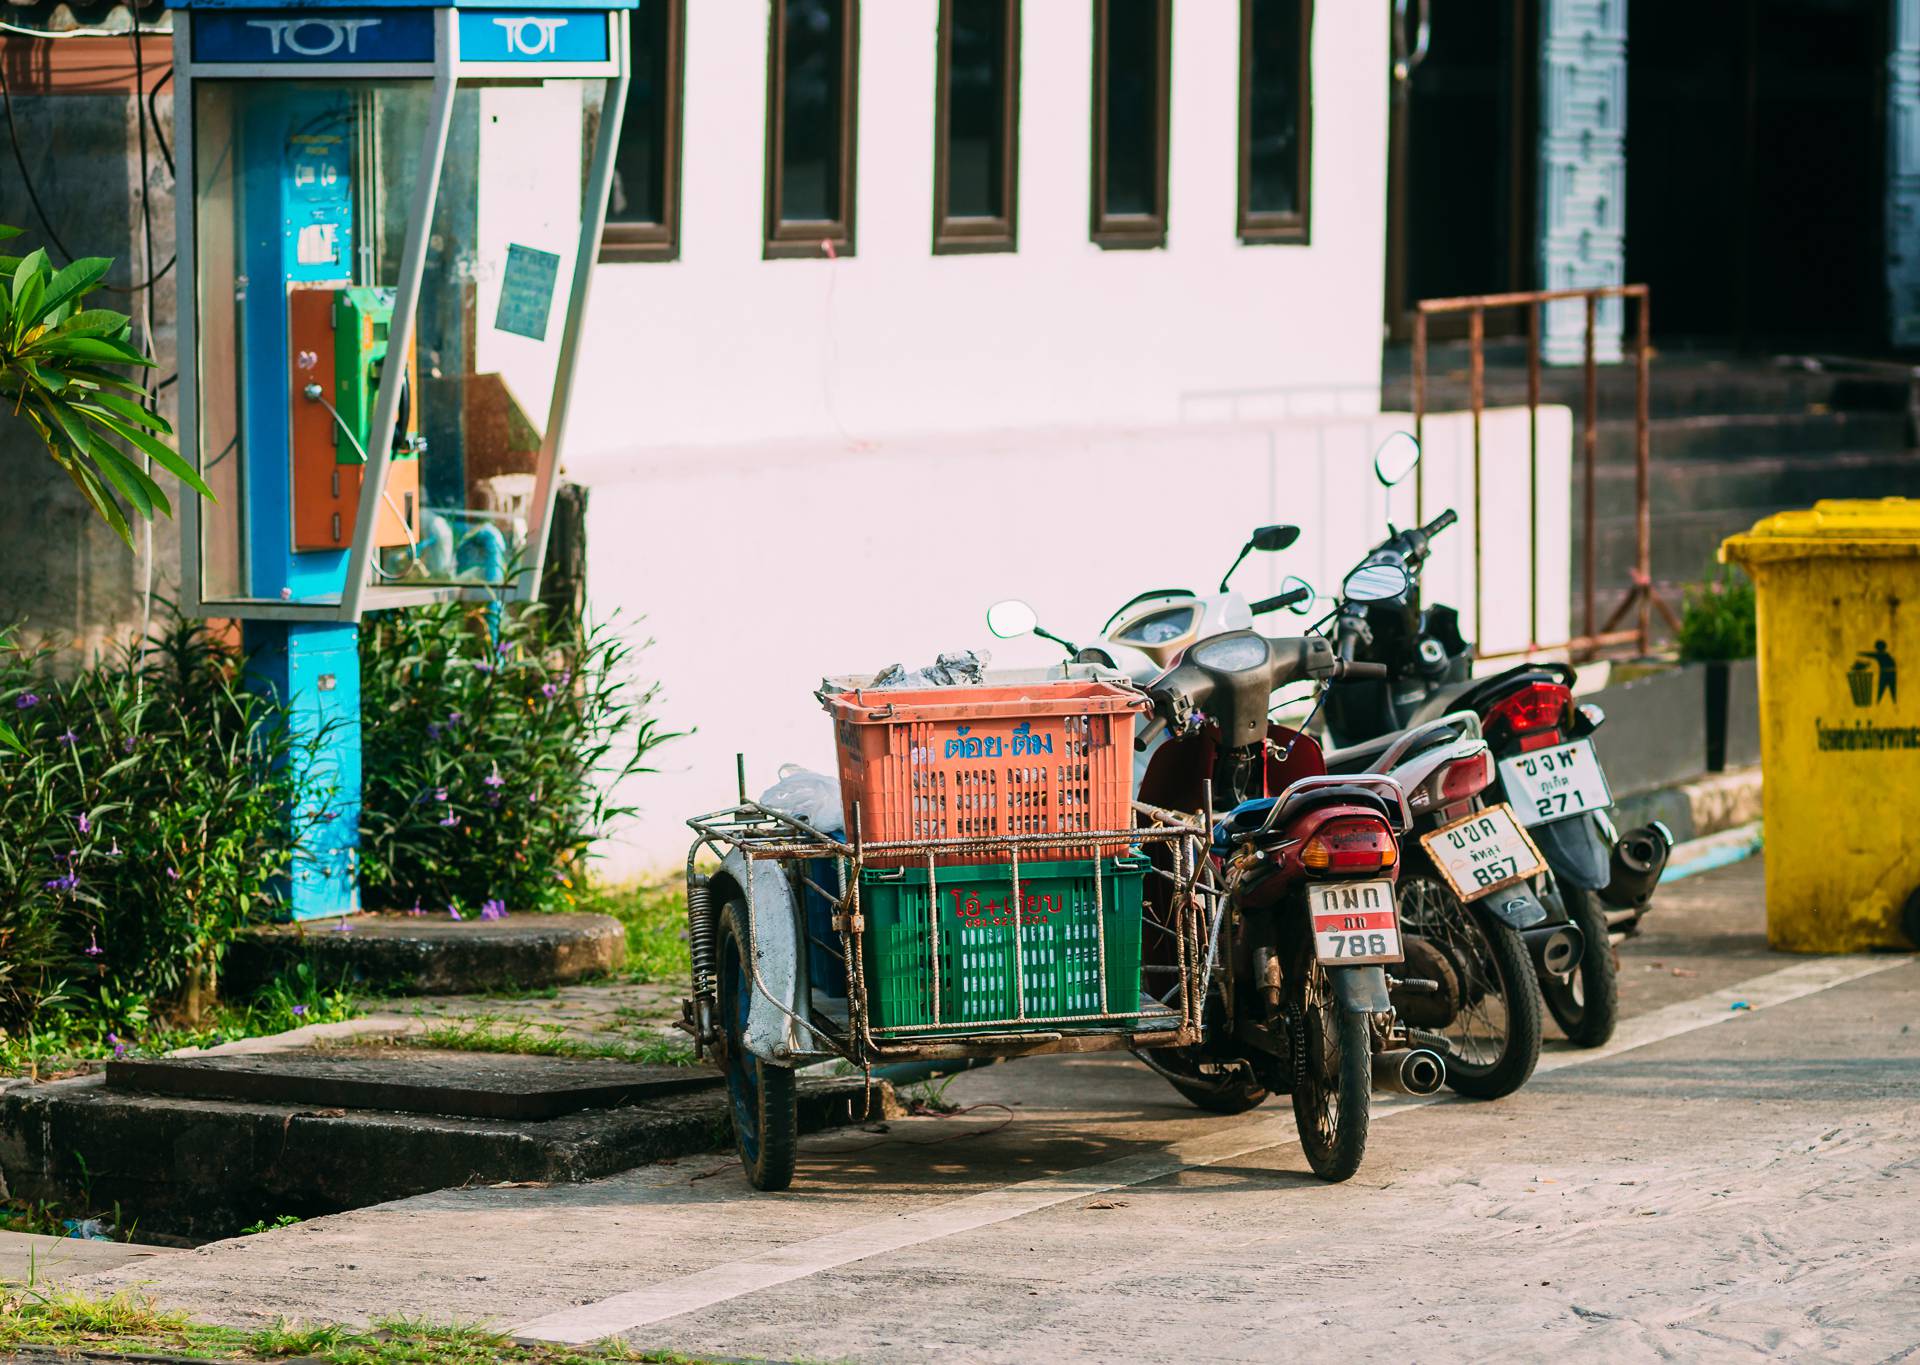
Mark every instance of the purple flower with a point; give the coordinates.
(433, 730)
(566, 677)
(26, 701)
(502, 648)
(493, 908)
(482, 668)
(172, 875)
(439, 793)
(450, 822)
(453, 717)
(65, 882)
(299, 1010)
(68, 740)
(81, 822)
(342, 927)
(93, 948)
(126, 745)
(549, 691)
(119, 1048)
(493, 779)
(453, 912)
(416, 907)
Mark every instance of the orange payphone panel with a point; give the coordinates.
(337, 340)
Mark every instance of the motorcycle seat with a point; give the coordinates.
(1358, 758)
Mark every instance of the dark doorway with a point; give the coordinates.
(1460, 212)
(1755, 169)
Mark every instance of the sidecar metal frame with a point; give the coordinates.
(763, 859)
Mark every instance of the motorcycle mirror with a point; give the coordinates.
(1292, 582)
(1274, 537)
(1395, 459)
(1011, 619)
(1376, 582)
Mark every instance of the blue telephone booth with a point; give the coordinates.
(385, 253)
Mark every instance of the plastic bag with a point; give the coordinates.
(807, 795)
(962, 669)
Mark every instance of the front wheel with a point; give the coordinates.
(1332, 1072)
(766, 1123)
(1489, 1009)
(1586, 1002)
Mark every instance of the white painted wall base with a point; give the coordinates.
(759, 569)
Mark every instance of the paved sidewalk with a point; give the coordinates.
(28, 1258)
(1722, 1183)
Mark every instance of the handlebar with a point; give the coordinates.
(1285, 599)
(1440, 523)
(1150, 733)
(1356, 670)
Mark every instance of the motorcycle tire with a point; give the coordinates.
(1332, 1061)
(1494, 966)
(766, 1121)
(1586, 1002)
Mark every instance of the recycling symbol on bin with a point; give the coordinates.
(1872, 676)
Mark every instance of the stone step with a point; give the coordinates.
(1742, 435)
(1765, 483)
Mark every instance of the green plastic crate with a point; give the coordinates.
(1059, 941)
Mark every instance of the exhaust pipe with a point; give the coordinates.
(1638, 860)
(1556, 948)
(1409, 1070)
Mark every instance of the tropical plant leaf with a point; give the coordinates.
(130, 479)
(74, 280)
(163, 454)
(6, 232)
(133, 412)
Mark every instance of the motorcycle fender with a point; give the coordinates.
(1576, 851)
(778, 953)
(1515, 906)
(1360, 990)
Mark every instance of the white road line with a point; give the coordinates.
(702, 1289)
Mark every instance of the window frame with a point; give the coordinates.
(955, 235)
(1265, 228)
(659, 241)
(1131, 230)
(797, 238)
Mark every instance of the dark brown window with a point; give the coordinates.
(643, 210)
(812, 105)
(976, 174)
(1132, 50)
(1276, 119)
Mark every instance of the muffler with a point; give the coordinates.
(1556, 948)
(1639, 858)
(1409, 1070)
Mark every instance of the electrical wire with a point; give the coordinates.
(146, 325)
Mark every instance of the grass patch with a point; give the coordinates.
(61, 1321)
(495, 1033)
(654, 914)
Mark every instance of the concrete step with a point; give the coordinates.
(1743, 435)
(1763, 483)
(202, 1169)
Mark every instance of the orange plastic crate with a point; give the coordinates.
(972, 762)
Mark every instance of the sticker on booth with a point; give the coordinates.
(526, 291)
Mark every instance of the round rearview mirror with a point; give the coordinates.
(1011, 619)
(1376, 582)
(1395, 459)
(1293, 583)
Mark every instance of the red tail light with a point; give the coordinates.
(1537, 706)
(1462, 778)
(1354, 845)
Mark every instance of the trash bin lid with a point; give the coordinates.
(1833, 528)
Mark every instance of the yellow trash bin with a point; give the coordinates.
(1839, 610)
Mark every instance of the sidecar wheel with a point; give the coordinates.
(766, 1123)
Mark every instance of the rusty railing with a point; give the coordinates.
(1640, 596)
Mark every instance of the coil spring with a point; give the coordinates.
(700, 933)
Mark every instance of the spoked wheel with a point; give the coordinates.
(766, 1122)
(1586, 1002)
(1332, 1072)
(1490, 1021)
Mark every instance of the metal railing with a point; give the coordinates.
(1640, 598)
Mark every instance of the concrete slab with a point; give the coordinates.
(28, 1258)
(433, 955)
(413, 1081)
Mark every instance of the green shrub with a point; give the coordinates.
(1717, 619)
(141, 827)
(492, 760)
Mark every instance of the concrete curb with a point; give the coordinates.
(1694, 810)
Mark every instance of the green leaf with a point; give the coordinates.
(163, 454)
(93, 375)
(95, 322)
(6, 232)
(102, 502)
(129, 478)
(7, 737)
(75, 280)
(133, 412)
(29, 285)
(86, 348)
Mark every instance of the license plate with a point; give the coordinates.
(1553, 784)
(1354, 922)
(1484, 852)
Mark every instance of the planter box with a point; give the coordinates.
(1656, 732)
(1733, 714)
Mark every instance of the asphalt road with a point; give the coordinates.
(1721, 1183)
